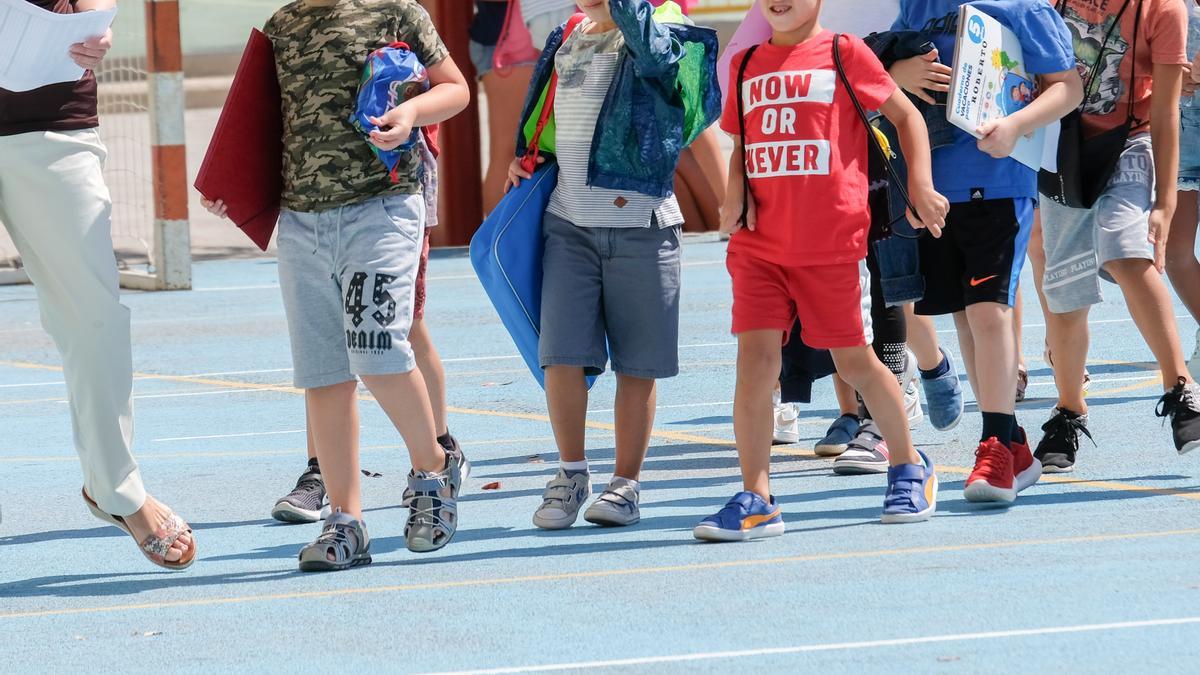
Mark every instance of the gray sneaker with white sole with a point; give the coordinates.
(564, 495)
(306, 503)
(617, 506)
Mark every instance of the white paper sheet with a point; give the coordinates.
(35, 43)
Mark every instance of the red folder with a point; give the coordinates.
(244, 163)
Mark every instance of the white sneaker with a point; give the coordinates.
(912, 393)
(562, 499)
(1194, 364)
(618, 506)
(787, 421)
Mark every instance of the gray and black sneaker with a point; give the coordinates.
(343, 544)
(1060, 441)
(1182, 405)
(867, 453)
(432, 511)
(458, 467)
(306, 503)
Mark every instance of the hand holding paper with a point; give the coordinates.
(39, 47)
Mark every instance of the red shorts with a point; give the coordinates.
(833, 302)
(419, 289)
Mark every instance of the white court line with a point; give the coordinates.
(228, 289)
(1101, 380)
(180, 394)
(33, 384)
(245, 435)
(838, 646)
(675, 405)
(1090, 323)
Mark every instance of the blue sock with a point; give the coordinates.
(941, 369)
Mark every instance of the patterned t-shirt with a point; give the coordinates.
(586, 65)
(319, 53)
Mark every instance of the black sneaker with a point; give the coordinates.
(306, 503)
(458, 468)
(1182, 405)
(1060, 441)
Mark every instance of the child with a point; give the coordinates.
(612, 230)
(1182, 266)
(973, 272)
(1123, 236)
(805, 151)
(349, 250)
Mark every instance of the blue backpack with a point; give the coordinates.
(506, 251)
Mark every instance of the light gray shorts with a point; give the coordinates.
(611, 291)
(1080, 242)
(348, 277)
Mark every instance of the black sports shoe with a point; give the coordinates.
(458, 468)
(306, 503)
(1057, 449)
(1182, 405)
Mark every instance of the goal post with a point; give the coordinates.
(170, 259)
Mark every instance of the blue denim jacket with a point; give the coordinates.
(663, 95)
(897, 251)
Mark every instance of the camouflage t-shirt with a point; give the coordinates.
(319, 55)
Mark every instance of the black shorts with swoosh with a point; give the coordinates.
(979, 256)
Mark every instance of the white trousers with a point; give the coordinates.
(57, 209)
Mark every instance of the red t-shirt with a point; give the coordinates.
(67, 106)
(806, 149)
(1161, 40)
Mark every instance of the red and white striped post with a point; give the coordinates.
(164, 73)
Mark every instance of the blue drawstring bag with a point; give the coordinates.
(392, 75)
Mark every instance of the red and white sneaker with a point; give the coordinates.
(992, 479)
(1026, 470)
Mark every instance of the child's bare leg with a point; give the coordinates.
(966, 345)
(758, 364)
(1149, 304)
(636, 400)
(333, 419)
(993, 365)
(875, 383)
(1182, 266)
(429, 362)
(847, 398)
(1018, 317)
(567, 399)
(405, 400)
(922, 339)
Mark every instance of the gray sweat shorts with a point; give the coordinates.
(348, 277)
(1080, 242)
(611, 290)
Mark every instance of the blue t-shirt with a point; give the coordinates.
(961, 171)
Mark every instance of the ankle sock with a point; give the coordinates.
(1018, 434)
(572, 468)
(1000, 426)
(313, 465)
(445, 440)
(938, 371)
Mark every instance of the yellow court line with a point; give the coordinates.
(601, 574)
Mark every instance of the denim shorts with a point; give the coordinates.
(349, 277)
(540, 28)
(610, 291)
(1189, 148)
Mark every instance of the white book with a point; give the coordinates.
(990, 81)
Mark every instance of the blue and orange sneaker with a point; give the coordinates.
(912, 492)
(746, 516)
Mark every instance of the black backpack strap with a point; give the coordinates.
(871, 139)
(741, 78)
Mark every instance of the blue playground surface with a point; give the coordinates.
(1093, 571)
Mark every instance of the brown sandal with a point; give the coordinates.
(155, 546)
